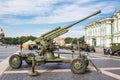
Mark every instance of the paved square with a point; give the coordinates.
(109, 66)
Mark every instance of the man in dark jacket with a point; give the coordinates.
(87, 49)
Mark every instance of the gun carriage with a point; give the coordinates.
(47, 54)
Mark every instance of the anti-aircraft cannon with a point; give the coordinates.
(46, 54)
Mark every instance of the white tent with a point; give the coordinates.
(26, 44)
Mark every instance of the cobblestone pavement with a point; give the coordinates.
(110, 68)
(7, 51)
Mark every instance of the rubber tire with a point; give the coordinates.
(94, 50)
(81, 71)
(86, 61)
(19, 61)
(112, 53)
(28, 61)
(118, 53)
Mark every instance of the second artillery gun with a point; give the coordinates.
(47, 54)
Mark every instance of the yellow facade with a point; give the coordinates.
(60, 41)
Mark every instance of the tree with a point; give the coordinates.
(82, 39)
(17, 40)
(68, 40)
(74, 40)
(24, 39)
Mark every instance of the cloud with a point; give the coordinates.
(51, 11)
(19, 33)
(74, 33)
(25, 7)
(111, 7)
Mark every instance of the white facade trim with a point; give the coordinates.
(103, 32)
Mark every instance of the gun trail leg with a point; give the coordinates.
(33, 72)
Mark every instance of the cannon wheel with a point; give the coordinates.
(87, 63)
(86, 60)
(119, 53)
(15, 61)
(27, 60)
(78, 66)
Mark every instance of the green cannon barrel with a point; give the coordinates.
(58, 30)
(50, 31)
(58, 34)
(53, 33)
(68, 26)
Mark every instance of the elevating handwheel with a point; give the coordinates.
(86, 60)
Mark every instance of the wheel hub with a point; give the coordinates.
(78, 65)
(15, 61)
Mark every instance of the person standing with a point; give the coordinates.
(71, 47)
(87, 49)
(104, 50)
(57, 48)
(21, 47)
(108, 51)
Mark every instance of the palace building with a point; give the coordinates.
(104, 31)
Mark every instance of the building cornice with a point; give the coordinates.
(98, 22)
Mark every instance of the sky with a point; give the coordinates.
(36, 17)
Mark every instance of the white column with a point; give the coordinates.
(108, 41)
(119, 25)
(115, 39)
(108, 28)
(90, 42)
(98, 41)
(118, 39)
(115, 25)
